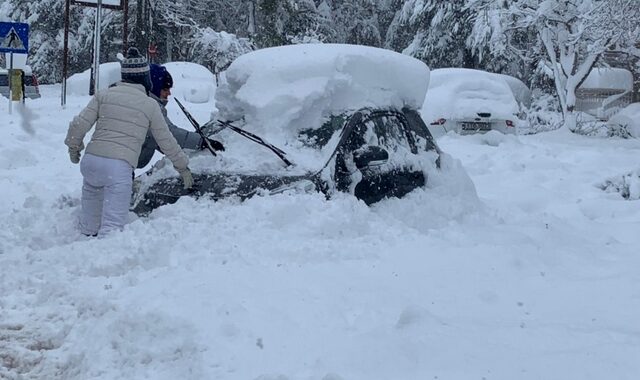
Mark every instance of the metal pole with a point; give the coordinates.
(96, 49)
(10, 80)
(65, 59)
(125, 31)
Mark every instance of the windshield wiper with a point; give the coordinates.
(257, 139)
(195, 124)
(227, 124)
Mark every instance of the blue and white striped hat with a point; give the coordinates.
(135, 68)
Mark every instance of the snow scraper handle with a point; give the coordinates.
(197, 127)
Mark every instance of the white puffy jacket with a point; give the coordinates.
(123, 114)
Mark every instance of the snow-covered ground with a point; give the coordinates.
(537, 280)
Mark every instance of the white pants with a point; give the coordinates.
(106, 193)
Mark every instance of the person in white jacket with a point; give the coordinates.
(122, 115)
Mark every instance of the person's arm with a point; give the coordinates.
(165, 140)
(186, 139)
(81, 124)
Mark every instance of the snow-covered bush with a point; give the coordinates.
(543, 115)
(588, 125)
(628, 185)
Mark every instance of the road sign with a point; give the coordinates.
(110, 4)
(14, 37)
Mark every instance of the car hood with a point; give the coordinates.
(217, 186)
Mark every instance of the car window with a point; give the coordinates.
(319, 137)
(387, 131)
(419, 131)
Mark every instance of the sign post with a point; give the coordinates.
(95, 73)
(17, 85)
(14, 38)
(95, 66)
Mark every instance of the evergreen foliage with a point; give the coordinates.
(516, 37)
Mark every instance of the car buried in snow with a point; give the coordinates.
(468, 101)
(345, 128)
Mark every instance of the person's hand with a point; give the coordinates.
(187, 178)
(74, 155)
(215, 144)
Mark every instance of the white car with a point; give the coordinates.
(628, 119)
(469, 101)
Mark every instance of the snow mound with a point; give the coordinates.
(293, 87)
(628, 185)
(629, 119)
(192, 82)
(78, 84)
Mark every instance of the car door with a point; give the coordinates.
(378, 159)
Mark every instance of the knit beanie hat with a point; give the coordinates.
(160, 79)
(135, 69)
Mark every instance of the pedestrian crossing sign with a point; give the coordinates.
(14, 37)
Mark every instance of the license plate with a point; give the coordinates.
(476, 126)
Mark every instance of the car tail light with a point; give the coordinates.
(35, 79)
(509, 123)
(440, 121)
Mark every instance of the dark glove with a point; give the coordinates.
(215, 144)
(74, 155)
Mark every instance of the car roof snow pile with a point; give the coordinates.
(297, 87)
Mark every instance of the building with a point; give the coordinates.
(605, 91)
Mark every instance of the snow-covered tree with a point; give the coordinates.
(46, 35)
(216, 50)
(357, 22)
(398, 32)
(440, 32)
(571, 35)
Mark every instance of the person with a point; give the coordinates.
(161, 84)
(122, 115)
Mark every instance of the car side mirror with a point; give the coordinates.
(370, 155)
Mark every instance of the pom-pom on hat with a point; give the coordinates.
(160, 79)
(135, 69)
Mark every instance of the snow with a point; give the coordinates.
(629, 118)
(461, 93)
(193, 83)
(520, 91)
(534, 278)
(284, 88)
(78, 84)
(613, 78)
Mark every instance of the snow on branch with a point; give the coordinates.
(217, 50)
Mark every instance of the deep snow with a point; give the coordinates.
(536, 279)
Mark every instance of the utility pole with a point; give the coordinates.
(65, 54)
